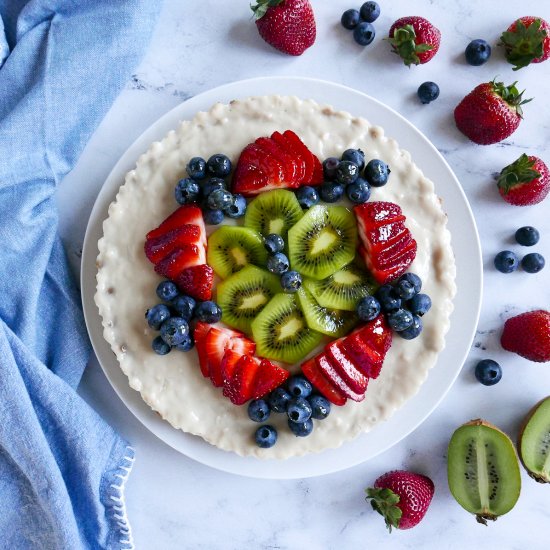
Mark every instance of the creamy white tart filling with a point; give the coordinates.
(172, 384)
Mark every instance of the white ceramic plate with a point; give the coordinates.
(465, 242)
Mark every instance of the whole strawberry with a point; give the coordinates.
(401, 497)
(414, 39)
(526, 41)
(528, 335)
(490, 112)
(524, 182)
(288, 25)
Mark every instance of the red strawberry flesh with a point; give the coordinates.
(269, 376)
(345, 366)
(238, 386)
(300, 162)
(270, 147)
(327, 368)
(528, 335)
(178, 260)
(311, 371)
(199, 335)
(197, 281)
(187, 214)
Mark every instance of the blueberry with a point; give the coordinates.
(358, 192)
(331, 191)
(320, 407)
(213, 217)
(307, 196)
(413, 279)
(157, 315)
(258, 410)
(167, 290)
(237, 206)
(368, 308)
(187, 344)
(219, 199)
(274, 243)
(187, 191)
(404, 289)
(196, 168)
(278, 400)
(377, 173)
(532, 263)
(414, 330)
(369, 11)
(330, 166)
(506, 261)
(266, 436)
(208, 312)
(174, 330)
(355, 155)
(428, 92)
(185, 306)
(488, 372)
(347, 172)
(388, 300)
(291, 281)
(160, 346)
(350, 19)
(477, 52)
(420, 304)
(298, 386)
(298, 409)
(218, 165)
(278, 263)
(301, 429)
(211, 185)
(400, 319)
(527, 236)
(364, 33)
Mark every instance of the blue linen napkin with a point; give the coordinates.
(62, 468)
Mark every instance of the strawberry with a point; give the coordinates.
(287, 25)
(238, 385)
(217, 341)
(345, 366)
(528, 335)
(183, 257)
(271, 147)
(313, 167)
(196, 281)
(414, 39)
(524, 182)
(388, 247)
(526, 41)
(327, 368)
(299, 161)
(490, 112)
(322, 384)
(227, 367)
(268, 378)
(401, 497)
(199, 335)
(159, 247)
(187, 214)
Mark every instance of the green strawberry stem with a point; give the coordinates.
(511, 95)
(520, 171)
(524, 44)
(262, 6)
(404, 43)
(384, 501)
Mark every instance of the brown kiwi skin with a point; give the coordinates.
(532, 411)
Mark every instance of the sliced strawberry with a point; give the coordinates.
(243, 345)
(328, 369)
(199, 335)
(227, 368)
(395, 268)
(282, 142)
(180, 259)
(197, 282)
(345, 366)
(321, 383)
(269, 377)
(296, 145)
(271, 147)
(386, 256)
(238, 386)
(366, 359)
(217, 340)
(378, 213)
(159, 247)
(186, 214)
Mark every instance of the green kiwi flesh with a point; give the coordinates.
(343, 289)
(281, 332)
(243, 295)
(483, 470)
(231, 248)
(323, 241)
(534, 442)
(273, 212)
(332, 322)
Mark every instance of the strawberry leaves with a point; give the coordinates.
(511, 95)
(524, 43)
(520, 171)
(404, 44)
(384, 501)
(260, 9)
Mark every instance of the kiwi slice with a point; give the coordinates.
(243, 295)
(231, 248)
(483, 470)
(281, 331)
(273, 212)
(534, 441)
(343, 289)
(323, 241)
(332, 322)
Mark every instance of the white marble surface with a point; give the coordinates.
(174, 502)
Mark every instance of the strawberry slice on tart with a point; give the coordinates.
(327, 368)
(186, 214)
(197, 281)
(322, 383)
(346, 367)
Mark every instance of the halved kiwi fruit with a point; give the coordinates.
(323, 241)
(243, 295)
(343, 289)
(231, 248)
(281, 331)
(534, 442)
(332, 322)
(273, 212)
(483, 470)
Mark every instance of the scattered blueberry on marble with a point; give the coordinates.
(320, 406)
(364, 33)
(160, 346)
(358, 192)
(299, 386)
(527, 236)
(368, 308)
(258, 410)
(196, 168)
(301, 429)
(506, 261)
(414, 330)
(350, 19)
(213, 217)
(420, 304)
(266, 436)
(278, 399)
(187, 191)
(274, 243)
(174, 330)
(167, 290)
(157, 315)
(278, 263)
(291, 281)
(370, 11)
(377, 173)
(236, 207)
(184, 306)
(307, 196)
(533, 263)
(477, 52)
(330, 191)
(488, 372)
(355, 155)
(219, 165)
(208, 312)
(428, 92)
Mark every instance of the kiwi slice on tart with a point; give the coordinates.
(231, 248)
(332, 322)
(483, 470)
(273, 212)
(243, 295)
(343, 289)
(323, 241)
(281, 332)
(534, 442)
